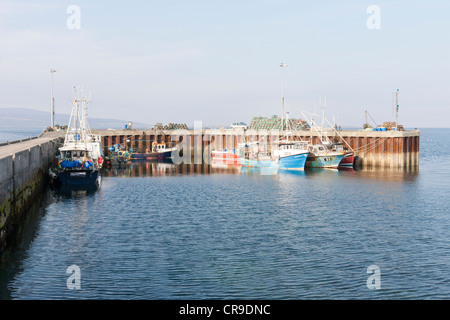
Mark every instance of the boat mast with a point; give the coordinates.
(85, 130)
(70, 132)
(83, 118)
(77, 117)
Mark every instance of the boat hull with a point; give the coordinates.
(165, 154)
(225, 157)
(293, 162)
(255, 163)
(325, 161)
(152, 156)
(144, 156)
(347, 161)
(78, 178)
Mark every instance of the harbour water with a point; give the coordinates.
(160, 231)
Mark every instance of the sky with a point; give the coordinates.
(219, 61)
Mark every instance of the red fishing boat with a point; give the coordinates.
(347, 160)
(225, 156)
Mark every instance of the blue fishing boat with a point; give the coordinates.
(251, 155)
(348, 159)
(285, 154)
(291, 155)
(325, 154)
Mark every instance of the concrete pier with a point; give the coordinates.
(382, 149)
(23, 172)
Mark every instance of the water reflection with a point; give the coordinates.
(383, 174)
(151, 168)
(364, 174)
(75, 191)
(18, 242)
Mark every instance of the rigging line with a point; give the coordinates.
(365, 152)
(368, 144)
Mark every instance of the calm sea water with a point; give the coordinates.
(158, 231)
(9, 134)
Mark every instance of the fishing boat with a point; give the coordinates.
(76, 167)
(287, 152)
(322, 157)
(164, 152)
(324, 154)
(80, 158)
(291, 155)
(251, 155)
(160, 151)
(225, 156)
(147, 155)
(347, 160)
(284, 154)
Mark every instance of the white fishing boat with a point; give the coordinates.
(81, 156)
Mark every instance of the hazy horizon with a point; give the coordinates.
(218, 62)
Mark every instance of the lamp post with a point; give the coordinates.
(396, 108)
(282, 66)
(52, 105)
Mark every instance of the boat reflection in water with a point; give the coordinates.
(153, 168)
(264, 171)
(76, 191)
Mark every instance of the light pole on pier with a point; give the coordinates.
(282, 66)
(52, 105)
(395, 108)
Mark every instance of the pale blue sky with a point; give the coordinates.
(218, 61)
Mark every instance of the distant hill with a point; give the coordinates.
(31, 118)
